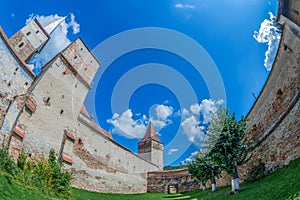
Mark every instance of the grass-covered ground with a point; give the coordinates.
(279, 185)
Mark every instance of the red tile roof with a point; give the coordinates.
(95, 126)
(66, 158)
(17, 129)
(85, 113)
(70, 134)
(150, 134)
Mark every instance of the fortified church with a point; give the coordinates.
(41, 112)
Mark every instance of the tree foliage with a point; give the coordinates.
(203, 169)
(229, 149)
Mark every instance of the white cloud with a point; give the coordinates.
(126, 126)
(163, 112)
(171, 151)
(59, 38)
(206, 108)
(185, 112)
(192, 125)
(193, 130)
(209, 107)
(188, 6)
(195, 108)
(189, 159)
(132, 125)
(270, 34)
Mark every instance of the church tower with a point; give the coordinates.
(32, 38)
(151, 148)
(29, 40)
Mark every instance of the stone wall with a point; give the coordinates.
(97, 162)
(14, 83)
(181, 179)
(274, 118)
(100, 164)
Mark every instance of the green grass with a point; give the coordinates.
(279, 185)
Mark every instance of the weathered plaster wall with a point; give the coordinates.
(59, 96)
(274, 119)
(14, 83)
(97, 162)
(100, 164)
(159, 181)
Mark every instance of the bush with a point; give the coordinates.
(46, 175)
(256, 172)
(7, 164)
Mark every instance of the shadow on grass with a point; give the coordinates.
(178, 196)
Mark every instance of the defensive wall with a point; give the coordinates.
(47, 111)
(44, 112)
(274, 126)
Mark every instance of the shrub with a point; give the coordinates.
(256, 172)
(7, 164)
(46, 175)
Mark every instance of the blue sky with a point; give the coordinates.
(156, 83)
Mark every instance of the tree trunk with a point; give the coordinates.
(235, 182)
(203, 186)
(213, 184)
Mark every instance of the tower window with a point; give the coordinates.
(61, 112)
(37, 31)
(28, 33)
(21, 44)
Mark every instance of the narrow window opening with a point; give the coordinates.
(295, 11)
(81, 49)
(85, 69)
(17, 69)
(61, 112)
(46, 101)
(279, 92)
(37, 31)
(63, 96)
(21, 44)
(26, 83)
(9, 84)
(28, 33)
(75, 57)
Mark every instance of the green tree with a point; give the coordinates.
(204, 169)
(227, 148)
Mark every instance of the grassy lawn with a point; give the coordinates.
(279, 185)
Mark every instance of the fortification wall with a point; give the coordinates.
(100, 164)
(14, 83)
(274, 118)
(96, 161)
(181, 179)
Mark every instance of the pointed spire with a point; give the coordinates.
(150, 134)
(52, 26)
